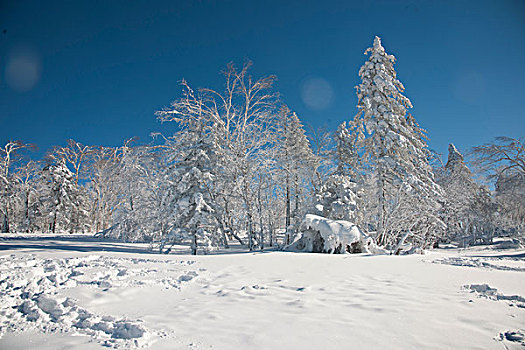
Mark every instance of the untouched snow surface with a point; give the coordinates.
(75, 292)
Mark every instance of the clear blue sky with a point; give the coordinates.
(96, 71)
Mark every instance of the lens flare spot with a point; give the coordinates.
(317, 93)
(23, 68)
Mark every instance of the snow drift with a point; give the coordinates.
(318, 234)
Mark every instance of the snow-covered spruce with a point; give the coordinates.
(404, 199)
(321, 235)
(336, 198)
(463, 200)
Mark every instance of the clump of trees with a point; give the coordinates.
(242, 167)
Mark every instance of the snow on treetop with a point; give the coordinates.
(453, 153)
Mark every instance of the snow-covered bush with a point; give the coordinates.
(318, 234)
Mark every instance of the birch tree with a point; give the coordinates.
(504, 161)
(9, 155)
(138, 185)
(27, 198)
(103, 183)
(243, 119)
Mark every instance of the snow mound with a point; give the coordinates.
(507, 243)
(318, 234)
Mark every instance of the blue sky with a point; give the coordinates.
(96, 71)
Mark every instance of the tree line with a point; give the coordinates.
(241, 166)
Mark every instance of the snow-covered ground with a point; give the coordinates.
(78, 292)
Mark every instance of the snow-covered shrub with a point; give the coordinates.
(318, 234)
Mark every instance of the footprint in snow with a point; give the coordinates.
(255, 290)
(485, 291)
(514, 337)
(188, 276)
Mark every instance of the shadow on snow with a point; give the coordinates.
(93, 244)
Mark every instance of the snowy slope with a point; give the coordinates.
(83, 294)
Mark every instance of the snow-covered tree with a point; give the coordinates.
(192, 198)
(504, 161)
(510, 195)
(485, 220)
(394, 146)
(503, 155)
(346, 154)
(321, 142)
(297, 162)
(137, 182)
(75, 155)
(26, 208)
(243, 122)
(336, 198)
(102, 169)
(460, 190)
(10, 156)
(65, 201)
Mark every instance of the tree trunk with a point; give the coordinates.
(54, 224)
(224, 237)
(381, 239)
(261, 225)
(261, 239)
(5, 223)
(288, 214)
(194, 244)
(270, 226)
(397, 249)
(296, 212)
(250, 231)
(236, 237)
(26, 213)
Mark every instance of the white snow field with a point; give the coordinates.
(67, 292)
